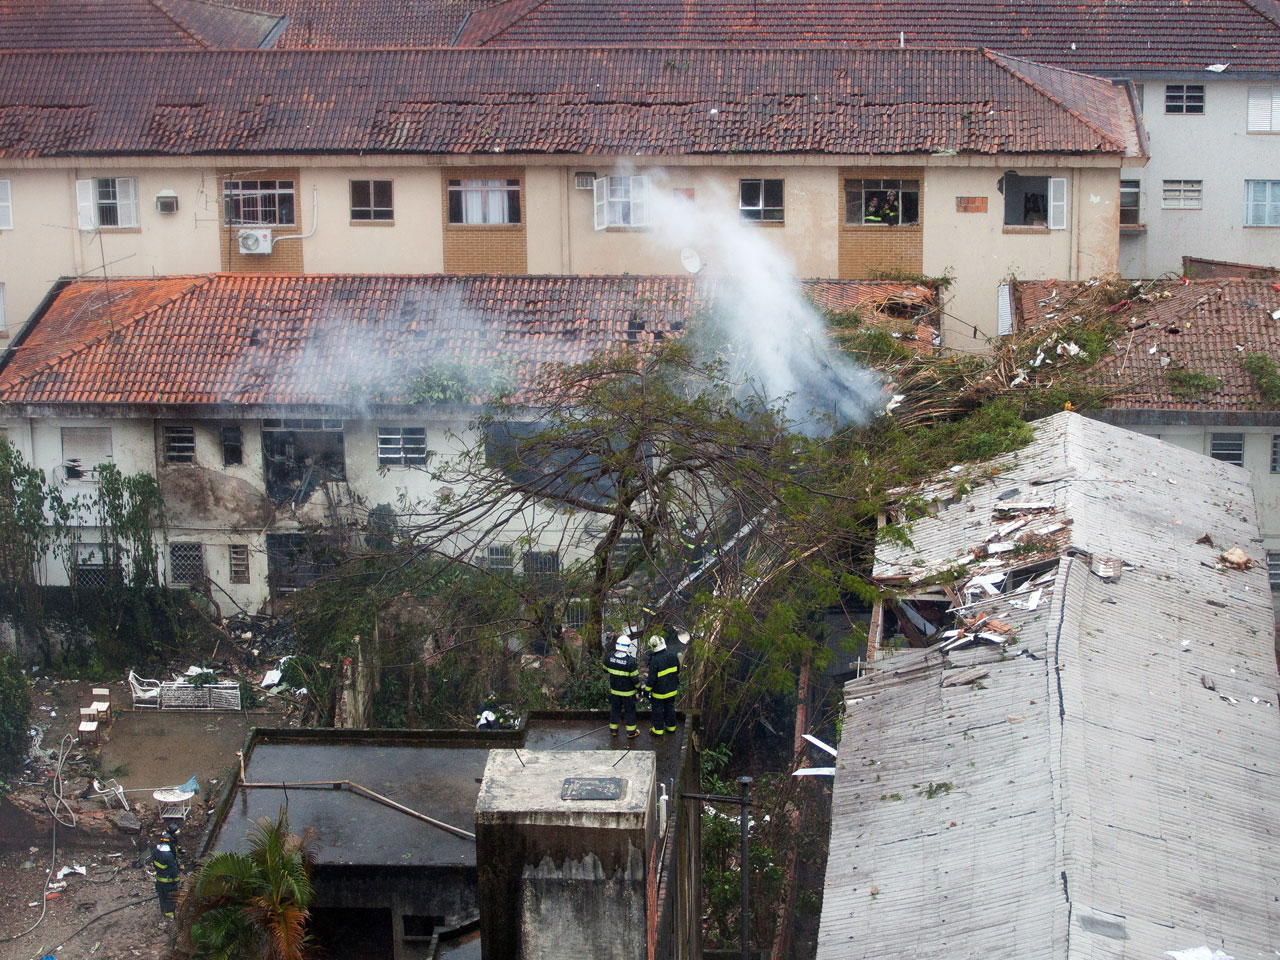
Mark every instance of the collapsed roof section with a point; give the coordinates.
(345, 341)
(1104, 715)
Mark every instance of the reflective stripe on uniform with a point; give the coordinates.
(663, 696)
(622, 673)
(622, 693)
(663, 673)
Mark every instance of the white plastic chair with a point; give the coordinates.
(146, 693)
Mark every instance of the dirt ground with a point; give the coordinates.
(143, 750)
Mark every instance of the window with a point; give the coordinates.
(1130, 202)
(107, 202)
(1184, 98)
(874, 202)
(1264, 110)
(258, 203)
(186, 563)
(621, 202)
(91, 567)
(1034, 201)
(1262, 203)
(295, 560)
(238, 554)
(301, 454)
(484, 201)
(1182, 195)
(4, 324)
(83, 449)
(540, 563)
(1275, 453)
(576, 614)
(499, 558)
(760, 200)
(1273, 569)
(371, 200)
(1227, 447)
(401, 446)
(1004, 310)
(232, 446)
(6, 205)
(179, 445)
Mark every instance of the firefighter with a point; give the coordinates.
(663, 685)
(164, 857)
(624, 677)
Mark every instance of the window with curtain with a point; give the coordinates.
(484, 201)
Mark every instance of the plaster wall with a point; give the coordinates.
(1216, 148)
(980, 252)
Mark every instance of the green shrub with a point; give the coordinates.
(15, 706)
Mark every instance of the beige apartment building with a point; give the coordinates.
(848, 164)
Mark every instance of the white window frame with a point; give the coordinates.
(268, 215)
(179, 443)
(395, 449)
(1227, 447)
(621, 201)
(483, 203)
(759, 212)
(1004, 310)
(499, 558)
(197, 555)
(6, 205)
(92, 438)
(1057, 203)
(1182, 195)
(1262, 197)
(1263, 115)
(92, 202)
(1184, 99)
(1131, 189)
(1273, 569)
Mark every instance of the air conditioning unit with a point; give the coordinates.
(254, 241)
(584, 181)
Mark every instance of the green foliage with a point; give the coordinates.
(1191, 383)
(15, 708)
(1263, 370)
(34, 521)
(991, 430)
(447, 383)
(253, 904)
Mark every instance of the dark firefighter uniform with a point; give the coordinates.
(165, 861)
(664, 684)
(624, 677)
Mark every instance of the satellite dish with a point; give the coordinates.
(690, 260)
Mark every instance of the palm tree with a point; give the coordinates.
(250, 906)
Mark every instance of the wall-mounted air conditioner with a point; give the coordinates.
(584, 181)
(254, 241)
(167, 201)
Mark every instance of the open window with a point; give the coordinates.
(84, 449)
(299, 455)
(621, 202)
(1034, 201)
(881, 202)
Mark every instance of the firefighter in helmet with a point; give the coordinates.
(164, 857)
(664, 683)
(624, 677)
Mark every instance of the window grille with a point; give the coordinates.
(1227, 447)
(1275, 453)
(499, 557)
(1184, 98)
(239, 556)
(1182, 195)
(258, 203)
(1273, 569)
(186, 563)
(180, 444)
(401, 446)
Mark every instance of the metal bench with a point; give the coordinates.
(180, 695)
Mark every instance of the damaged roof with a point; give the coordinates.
(317, 339)
(1120, 36)
(634, 102)
(1103, 779)
(1182, 343)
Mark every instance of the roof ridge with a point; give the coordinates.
(115, 329)
(1000, 60)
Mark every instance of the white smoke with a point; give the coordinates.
(782, 340)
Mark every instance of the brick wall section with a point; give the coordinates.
(286, 258)
(971, 204)
(481, 248)
(865, 252)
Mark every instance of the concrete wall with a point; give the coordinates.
(1217, 148)
(557, 235)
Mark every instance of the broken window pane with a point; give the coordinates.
(295, 560)
(299, 455)
(1026, 200)
(179, 444)
(232, 446)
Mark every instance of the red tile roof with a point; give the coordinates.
(645, 102)
(131, 24)
(1203, 326)
(334, 340)
(1108, 36)
(368, 23)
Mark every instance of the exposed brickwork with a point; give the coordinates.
(971, 204)
(285, 258)
(483, 248)
(865, 252)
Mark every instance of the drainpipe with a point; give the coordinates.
(315, 220)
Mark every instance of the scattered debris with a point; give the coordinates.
(1236, 559)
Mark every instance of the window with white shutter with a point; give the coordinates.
(1057, 203)
(621, 201)
(6, 205)
(1004, 310)
(1264, 110)
(107, 202)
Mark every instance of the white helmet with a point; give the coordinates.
(623, 643)
(657, 643)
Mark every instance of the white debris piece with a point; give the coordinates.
(1197, 953)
